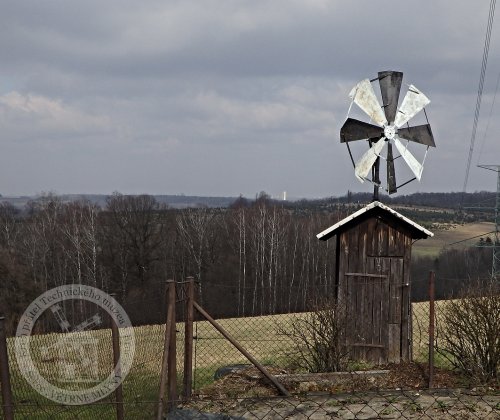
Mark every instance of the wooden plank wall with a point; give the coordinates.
(375, 248)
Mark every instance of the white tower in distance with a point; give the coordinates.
(284, 195)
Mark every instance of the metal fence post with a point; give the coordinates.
(115, 337)
(188, 339)
(8, 408)
(431, 327)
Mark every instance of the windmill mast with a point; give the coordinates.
(376, 179)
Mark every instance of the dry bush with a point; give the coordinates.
(319, 338)
(469, 331)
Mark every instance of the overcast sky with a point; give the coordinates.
(222, 97)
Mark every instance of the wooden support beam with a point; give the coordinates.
(166, 348)
(188, 339)
(254, 361)
(7, 405)
(172, 352)
(115, 337)
(431, 327)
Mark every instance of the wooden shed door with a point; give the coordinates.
(374, 310)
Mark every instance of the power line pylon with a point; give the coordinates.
(495, 266)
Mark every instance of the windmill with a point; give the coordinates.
(391, 129)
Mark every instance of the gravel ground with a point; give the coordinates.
(395, 391)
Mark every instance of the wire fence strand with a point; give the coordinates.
(227, 386)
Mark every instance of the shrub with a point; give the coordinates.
(469, 331)
(319, 336)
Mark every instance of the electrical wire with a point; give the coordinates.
(489, 120)
(468, 239)
(479, 92)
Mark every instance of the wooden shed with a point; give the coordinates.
(373, 255)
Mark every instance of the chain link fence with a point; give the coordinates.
(75, 363)
(225, 385)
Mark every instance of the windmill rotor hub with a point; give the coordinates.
(389, 132)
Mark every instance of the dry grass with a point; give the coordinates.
(420, 325)
(258, 335)
(443, 237)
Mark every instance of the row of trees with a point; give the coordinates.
(455, 269)
(252, 258)
(261, 257)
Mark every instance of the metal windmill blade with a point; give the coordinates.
(363, 95)
(390, 87)
(387, 128)
(364, 165)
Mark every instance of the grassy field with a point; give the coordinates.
(259, 335)
(446, 235)
(420, 328)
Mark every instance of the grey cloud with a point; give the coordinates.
(223, 97)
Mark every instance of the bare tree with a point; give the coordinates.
(41, 244)
(238, 219)
(9, 225)
(197, 229)
(134, 235)
(80, 236)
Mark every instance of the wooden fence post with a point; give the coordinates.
(172, 352)
(431, 327)
(188, 339)
(8, 408)
(168, 375)
(115, 337)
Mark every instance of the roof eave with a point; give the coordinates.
(420, 232)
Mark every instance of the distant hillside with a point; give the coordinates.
(183, 201)
(174, 201)
(451, 201)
